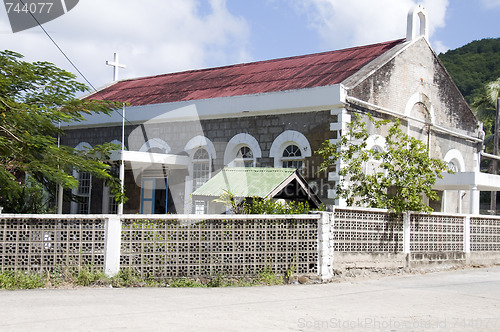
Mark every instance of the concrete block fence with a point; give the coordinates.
(207, 245)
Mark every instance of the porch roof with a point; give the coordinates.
(468, 180)
(144, 159)
(259, 182)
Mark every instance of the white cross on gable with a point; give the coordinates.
(116, 64)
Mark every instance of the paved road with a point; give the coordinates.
(463, 300)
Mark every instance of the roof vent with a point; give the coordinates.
(417, 15)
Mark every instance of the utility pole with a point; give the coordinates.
(493, 203)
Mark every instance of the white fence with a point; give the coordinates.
(185, 245)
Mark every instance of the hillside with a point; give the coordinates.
(473, 65)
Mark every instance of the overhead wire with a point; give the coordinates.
(71, 62)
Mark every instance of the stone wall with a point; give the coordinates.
(416, 76)
(265, 128)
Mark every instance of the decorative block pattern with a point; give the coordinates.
(485, 234)
(436, 233)
(177, 248)
(38, 245)
(367, 231)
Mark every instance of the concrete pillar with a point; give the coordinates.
(406, 232)
(460, 193)
(474, 200)
(122, 183)
(467, 234)
(112, 245)
(60, 192)
(325, 245)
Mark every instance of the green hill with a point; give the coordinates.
(473, 65)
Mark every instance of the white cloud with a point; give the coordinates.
(358, 22)
(152, 37)
(439, 47)
(491, 3)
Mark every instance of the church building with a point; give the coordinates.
(181, 129)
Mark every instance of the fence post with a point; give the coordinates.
(325, 245)
(112, 245)
(407, 236)
(467, 235)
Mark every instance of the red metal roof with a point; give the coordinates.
(299, 72)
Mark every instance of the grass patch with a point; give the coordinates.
(20, 280)
(62, 277)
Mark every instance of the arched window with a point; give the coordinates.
(244, 157)
(292, 157)
(201, 167)
(290, 149)
(155, 145)
(453, 166)
(83, 192)
(242, 150)
(455, 160)
(376, 144)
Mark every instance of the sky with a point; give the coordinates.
(162, 36)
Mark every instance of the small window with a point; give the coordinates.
(292, 157)
(200, 207)
(83, 192)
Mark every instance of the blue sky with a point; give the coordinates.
(161, 36)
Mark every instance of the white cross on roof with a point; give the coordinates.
(116, 64)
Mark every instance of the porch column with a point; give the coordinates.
(474, 199)
(122, 184)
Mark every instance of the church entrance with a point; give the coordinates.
(154, 195)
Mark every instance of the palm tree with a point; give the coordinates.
(485, 106)
(487, 110)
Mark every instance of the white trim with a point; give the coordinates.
(83, 146)
(454, 154)
(200, 142)
(280, 102)
(237, 142)
(155, 143)
(117, 142)
(287, 138)
(398, 115)
(423, 99)
(139, 159)
(375, 140)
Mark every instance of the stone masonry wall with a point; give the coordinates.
(265, 128)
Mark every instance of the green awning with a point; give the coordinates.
(258, 182)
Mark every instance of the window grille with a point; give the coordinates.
(201, 168)
(244, 157)
(83, 192)
(292, 157)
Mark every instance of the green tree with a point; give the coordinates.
(34, 99)
(473, 65)
(404, 175)
(485, 107)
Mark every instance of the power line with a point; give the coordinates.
(71, 62)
